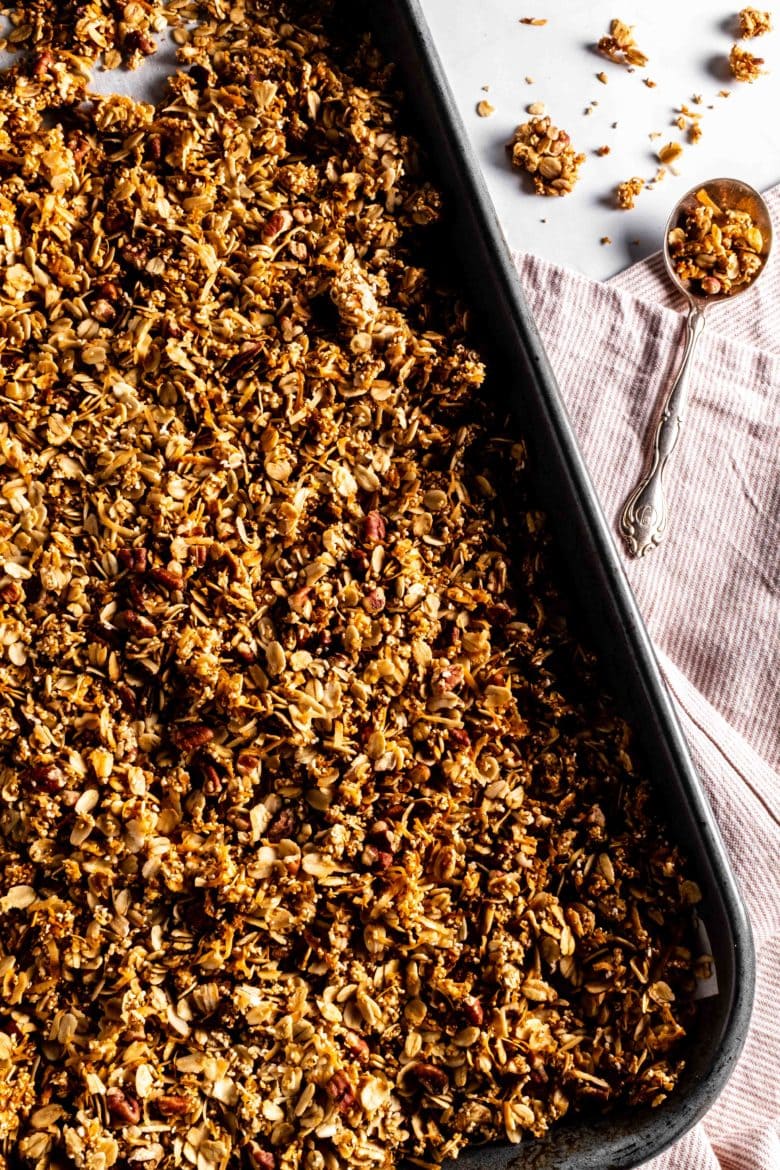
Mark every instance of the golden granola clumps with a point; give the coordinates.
(321, 844)
(754, 23)
(626, 193)
(717, 251)
(122, 33)
(744, 65)
(621, 47)
(545, 152)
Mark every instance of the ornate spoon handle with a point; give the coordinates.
(645, 514)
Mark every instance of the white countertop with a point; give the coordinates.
(687, 42)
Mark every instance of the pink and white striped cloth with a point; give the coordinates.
(710, 593)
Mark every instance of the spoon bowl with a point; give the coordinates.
(731, 195)
(645, 515)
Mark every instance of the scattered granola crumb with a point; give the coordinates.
(694, 132)
(588, 110)
(679, 122)
(636, 243)
(627, 192)
(529, 81)
(654, 134)
(744, 65)
(485, 109)
(536, 21)
(650, 83)
(485, 88)
(602, 77)
(718, 251)
(659, 174)
(614, 125)
(605, 240)
(724, 93)
(697, 99)
(538, 109)
(546, 154)
(754, 23)
(669, 153)
(620, 45)
(602, 150)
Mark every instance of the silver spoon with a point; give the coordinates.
(645, 515)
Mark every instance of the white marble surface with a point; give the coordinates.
(687, 42)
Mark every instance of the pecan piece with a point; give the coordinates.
(166, 578)
(188, 737)
(340, 1092)
(357, 1046)
(260, 1159)
(173, 1105)
(123, 1108)
(473, 1011)
(46, 777)
(133, 559)
(432, 1079)
(144, 627)
(374, 528)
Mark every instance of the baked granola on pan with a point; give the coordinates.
(321, 844)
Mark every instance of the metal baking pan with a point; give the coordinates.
(621, 1139)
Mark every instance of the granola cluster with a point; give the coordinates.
(545, 152)
(744, 65)
(118, 32)
(626, 193)
(718, 251)
(320, 844)
(619, 46)
(754, 23)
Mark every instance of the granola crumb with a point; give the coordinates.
(605, 240)
(724, 93)
(744, 65)
(545, 152)
(626, 193)
(529, 81)
(697, 99)
(670, 153)
(538, 109)
(694, 132)
(602, 77)
(536, 21)
(716, 250)
(754, 23)
(602, 150)
(654, 134)
(621, 47)
(485, 109)
(650, 83)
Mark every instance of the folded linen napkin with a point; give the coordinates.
(710, 593)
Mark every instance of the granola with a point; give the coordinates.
(119, 33)
(744, 65)
(620, 45)
(626, 193)
(545, 152)
(320, 843)
(716, 250)
(754, 23)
